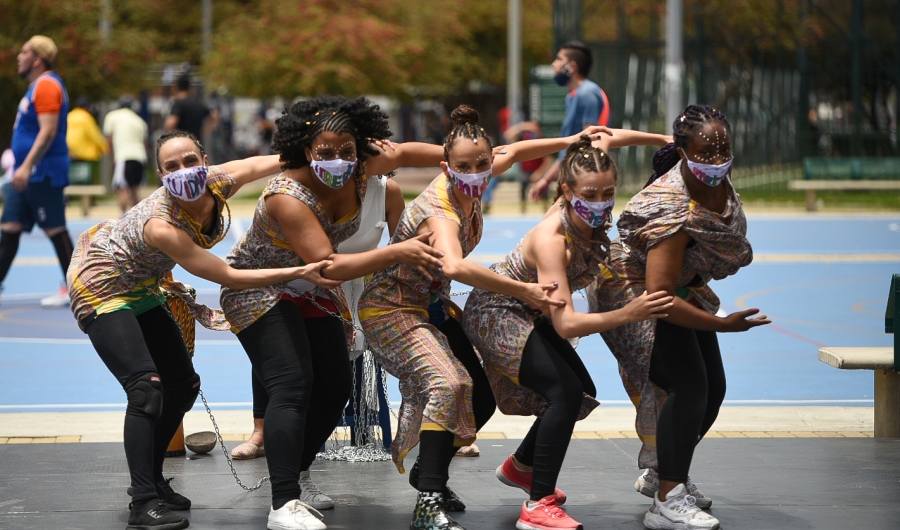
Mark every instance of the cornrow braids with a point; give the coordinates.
(582, 157)
(465, 125)
(683, 129)
(300, 123)
(176, 134)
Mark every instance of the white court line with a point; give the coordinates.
(395, 404)
(28, 340)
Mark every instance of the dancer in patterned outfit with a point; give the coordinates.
(532, 368)
(685, 228)
(414, 329)
(115, 279)
(293, 332)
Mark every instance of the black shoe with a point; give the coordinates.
(153, 515)
(429, 513)
(452, 502)
(172, 499)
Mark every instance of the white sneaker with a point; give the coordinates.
(295, 515)
(312, 495)
(678, 512)
(60, 299)
(648, 484)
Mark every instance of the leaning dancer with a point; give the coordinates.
(684, 229)
(532, 367)
(414, 329)
(293, 333)
(115, 279)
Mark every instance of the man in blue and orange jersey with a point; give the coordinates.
(41, 169)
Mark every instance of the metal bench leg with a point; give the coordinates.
(810, 200)
(85, 205)
(887, 404)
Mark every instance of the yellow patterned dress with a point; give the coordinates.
(436, 388)
(719, 248)
(265, 246)
(113, 268)
(499, 325)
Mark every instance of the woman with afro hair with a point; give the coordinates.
(293, 332)
(414, 329)
(685, 228)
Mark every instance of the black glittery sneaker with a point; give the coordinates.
(452, 502)
(153, 515)
(429, 513)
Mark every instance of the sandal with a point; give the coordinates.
(248, 451)
(468, 450)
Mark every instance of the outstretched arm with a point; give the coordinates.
(408, 154)
(531, 149)
(628, 137)
(445, 238)
(179, 246)
(250, 169)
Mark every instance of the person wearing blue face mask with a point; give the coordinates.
(586, 103)
(414, 328)
(532, 368)
(685, 228)
(118, 271)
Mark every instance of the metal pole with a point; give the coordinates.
(207, 27)
(856, 62)
(674, 61)
(514, 62)
(105, 21)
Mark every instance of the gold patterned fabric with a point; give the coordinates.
(436, 388)
(499, 325)
(113, 268)
(718, 248)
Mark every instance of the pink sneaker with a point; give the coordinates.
(546, 515)
(512, 476)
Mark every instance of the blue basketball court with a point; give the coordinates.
(823, 280)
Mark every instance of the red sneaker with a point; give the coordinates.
(546, 515)
(512, 476)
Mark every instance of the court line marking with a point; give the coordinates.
(249, 404)
(29, 340)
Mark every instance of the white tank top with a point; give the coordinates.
(372, 223)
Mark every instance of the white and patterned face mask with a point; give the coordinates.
(472, 185)
(333, 173)
(187, 184)
(593, 213)
(709, 174)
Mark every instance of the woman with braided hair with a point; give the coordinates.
(118, 270)
(531, 366)
(685, 228)
(414, 329)
(294, 333)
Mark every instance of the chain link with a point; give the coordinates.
(225, 451)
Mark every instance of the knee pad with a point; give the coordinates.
(145, 395)
(181, 397)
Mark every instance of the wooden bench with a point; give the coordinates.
(847, 174)
(885, 361)
(87, 192)
(812, 186)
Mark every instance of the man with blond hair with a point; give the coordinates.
(41, 169)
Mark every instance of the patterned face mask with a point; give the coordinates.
(333, 173)
(187, 184)
(709, 174)
(593, 213)
(472, 185)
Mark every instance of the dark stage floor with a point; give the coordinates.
(755, 484)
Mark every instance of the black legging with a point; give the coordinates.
(552, 368)
(436, 448)
(133, 346)
(303, 365)
(686, 363)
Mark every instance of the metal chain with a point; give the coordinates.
(225, 451)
